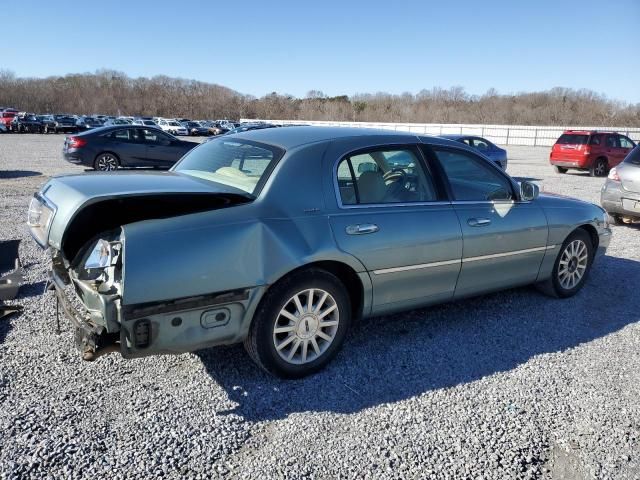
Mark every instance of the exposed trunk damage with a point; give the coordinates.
(93, 299)
(112, 213)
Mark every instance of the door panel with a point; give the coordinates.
(505, 251)
(124, 143)
(504, 240)
(414, 256)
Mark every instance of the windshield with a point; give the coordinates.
(573, 139)
(148, 122)
(175, 124)
(241, 164)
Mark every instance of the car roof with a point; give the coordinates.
(292, 137)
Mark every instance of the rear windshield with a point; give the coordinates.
(241, 164)
(573, 139)
(634, 156)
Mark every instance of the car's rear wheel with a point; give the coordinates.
(571, 267)
(106, 162)
(560, 169)
(599, 168)
(300, 324)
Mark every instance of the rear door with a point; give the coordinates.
(504, 239)
(392, 215)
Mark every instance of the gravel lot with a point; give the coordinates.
(511, 385)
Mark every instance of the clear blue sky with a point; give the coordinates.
(339, 47)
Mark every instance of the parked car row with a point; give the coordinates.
(13, 120)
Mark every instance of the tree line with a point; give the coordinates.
(114, 93)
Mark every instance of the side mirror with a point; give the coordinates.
(529, 191)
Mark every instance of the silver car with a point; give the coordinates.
(281, 238)
(620, 195)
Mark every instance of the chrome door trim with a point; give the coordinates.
(416, 267)
(508, 254)
(464, 260)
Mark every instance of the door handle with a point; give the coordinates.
(362, 229)
(478, 222)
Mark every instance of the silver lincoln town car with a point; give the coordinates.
(282, 238)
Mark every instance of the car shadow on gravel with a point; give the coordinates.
(393, 358)
(11, 174)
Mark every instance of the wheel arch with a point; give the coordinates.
(347, 275)
(593, 234)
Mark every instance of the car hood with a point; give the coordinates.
(549, 199)
(70, 194)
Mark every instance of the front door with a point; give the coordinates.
(392, 216)
(162, 149)
(504, 239)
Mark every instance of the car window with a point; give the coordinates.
(473, 178)
(625, 142)
(572, 139)
(241, 164)
(480, 144)
(595, 140)
(612, 141)
(384, 176)
(121, 135)
(634, 156)
(154, 136)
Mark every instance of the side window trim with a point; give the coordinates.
(445, 179)
(416, 149)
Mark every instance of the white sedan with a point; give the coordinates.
(173, 127)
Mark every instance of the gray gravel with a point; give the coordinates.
(510, 385)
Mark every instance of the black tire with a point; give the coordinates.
(553, 286)
(106, 162)
(260, 342)
(599, 168)
(560, 169)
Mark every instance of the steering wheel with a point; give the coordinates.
(394, 175)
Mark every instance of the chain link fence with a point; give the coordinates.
(535, 136)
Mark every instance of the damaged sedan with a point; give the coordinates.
(283, 238)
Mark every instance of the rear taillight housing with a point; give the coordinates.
(613, 175)
(76, 142)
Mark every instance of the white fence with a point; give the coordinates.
(501, 134)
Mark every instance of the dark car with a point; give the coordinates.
(65, 124)
(26, 123)
(194, 128)
(109, 148)
(87, 123)
(484, 146)
(48, 123)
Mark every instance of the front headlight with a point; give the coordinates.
(39, 220)
(100, 256)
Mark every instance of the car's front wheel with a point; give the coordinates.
(300, 325)
(106, 162)
(571, 267)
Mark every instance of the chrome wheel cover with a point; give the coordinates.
(107, 162)
(573, 264)
(306, 326)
